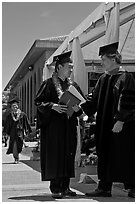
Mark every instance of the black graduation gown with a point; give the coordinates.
(114, 99)
(58, 134)
(16, 129)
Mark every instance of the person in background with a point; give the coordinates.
(5, 112)
(58, 132)
(88, 141)
(89, 144)
(16, 125)
(114, 101)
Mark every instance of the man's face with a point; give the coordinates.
(67, 69)
(107, 62)
(14, 107)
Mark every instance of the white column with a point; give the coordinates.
(79, 66)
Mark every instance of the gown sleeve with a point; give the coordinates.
(26, 123)
(7, 126)
(90, 106)
(42, 101)
(80, 112)
(126, 104)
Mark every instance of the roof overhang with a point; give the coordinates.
(93, 27)
(37, 49)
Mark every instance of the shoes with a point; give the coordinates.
(16, 161)
(69, 192)
(99, 193)
(131, 193)
(57, 195)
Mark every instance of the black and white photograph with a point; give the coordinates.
(68, 101)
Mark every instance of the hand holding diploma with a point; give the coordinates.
(118, 126)
(72, 99)
(59, 108)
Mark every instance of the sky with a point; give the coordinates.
(25, 22)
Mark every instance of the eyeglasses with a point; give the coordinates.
(71, 65)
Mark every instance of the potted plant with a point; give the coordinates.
(90, 164)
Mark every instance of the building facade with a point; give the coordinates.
(29, 75)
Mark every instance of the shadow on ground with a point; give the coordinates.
(35, 165)
(45, 197)
(8, 163)
(81, 187)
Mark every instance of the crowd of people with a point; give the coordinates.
(111, 134)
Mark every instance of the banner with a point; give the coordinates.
(80, 75)
(112, 23)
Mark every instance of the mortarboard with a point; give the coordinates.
(108, 49)
(62, 58)
(13, 100)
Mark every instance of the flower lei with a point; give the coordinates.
(92, 159)
(58, 85)
(18, 115)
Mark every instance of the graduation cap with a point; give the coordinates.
(13, 100)
(108, 49)
(63, 58)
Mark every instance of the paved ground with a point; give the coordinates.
(22, 183)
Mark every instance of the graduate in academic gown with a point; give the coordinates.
(114, 101)
(58, 131)
(16, 125)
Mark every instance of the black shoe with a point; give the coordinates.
(131, 193)
(99, 193)
(69, 192)
(16, 161)
(57, 195)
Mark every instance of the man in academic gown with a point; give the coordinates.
(114, 101)
(16, 126)
(58, 131)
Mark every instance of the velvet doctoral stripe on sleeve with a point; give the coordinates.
(90, 106)
(126, 104)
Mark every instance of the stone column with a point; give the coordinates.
(32, 95)
(27, 104)
(24, 97)
(30, 99)
(21, 98)
(37, 80)
(27, 89)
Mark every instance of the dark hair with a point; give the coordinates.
(57, 65)
(117, 56)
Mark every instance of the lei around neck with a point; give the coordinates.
(18, 115)
(58, 85)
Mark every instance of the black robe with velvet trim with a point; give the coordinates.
(114, 99)
(58, 133)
